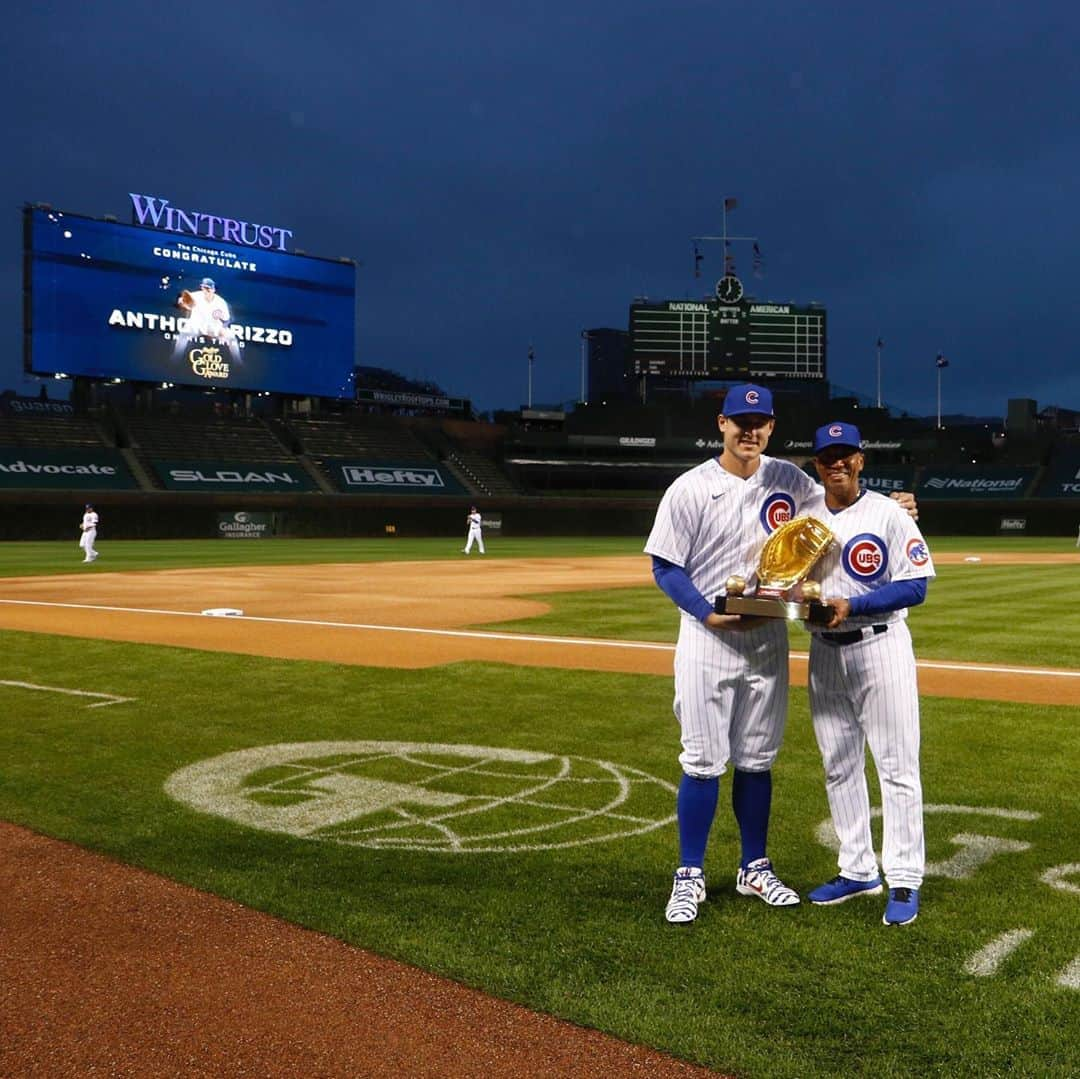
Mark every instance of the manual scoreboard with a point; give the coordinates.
(713, 339)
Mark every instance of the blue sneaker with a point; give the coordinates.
(840, 889)
(903, 906)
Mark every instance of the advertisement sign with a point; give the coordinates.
(243, 524)
(400, 399)
(398, 478)
(264, 476)
(1013, 524)
(82, 470)
(124, 301)
(12, 404)
(885, 479)
(1062, 480)
(995, 483)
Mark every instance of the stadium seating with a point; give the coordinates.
(52, 432)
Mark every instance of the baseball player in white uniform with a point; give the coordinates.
(89, 533)
(862, 677)
(474, 521)
(731, 673)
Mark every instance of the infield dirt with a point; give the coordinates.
(413, 614)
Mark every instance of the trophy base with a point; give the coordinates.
(774, 607)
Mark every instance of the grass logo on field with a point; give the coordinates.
(458, 799)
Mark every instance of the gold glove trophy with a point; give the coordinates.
(782, 591)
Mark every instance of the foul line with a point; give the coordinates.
(107, 698)
(927, 664)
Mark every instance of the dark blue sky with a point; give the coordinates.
(511, 174)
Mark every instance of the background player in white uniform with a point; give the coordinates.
(474, 521)
(862, 678)
(731, 673)
(89, 534)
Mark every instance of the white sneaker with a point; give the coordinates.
(759, 879)
(686, 893)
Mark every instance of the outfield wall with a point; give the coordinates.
(49, 515)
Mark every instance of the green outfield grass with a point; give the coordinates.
(49, 557)
(124, 556)
(975, 613)
(578, 931)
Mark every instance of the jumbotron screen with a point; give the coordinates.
(107, 300)
(709, 339)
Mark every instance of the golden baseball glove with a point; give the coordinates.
(790, 553)
(185, 300)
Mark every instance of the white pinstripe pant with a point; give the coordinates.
(730, 696)
(860, 694)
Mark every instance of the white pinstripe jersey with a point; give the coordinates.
(877, 542)
(713, 524)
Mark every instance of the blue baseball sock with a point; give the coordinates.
(696, 806)
(751, 798)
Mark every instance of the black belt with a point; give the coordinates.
(852, 636)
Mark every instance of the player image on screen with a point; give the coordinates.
(208, 319)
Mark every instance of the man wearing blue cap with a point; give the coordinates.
(862, 680)
(731, 672)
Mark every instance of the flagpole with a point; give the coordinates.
(530, 374)
(940, 365)
(584, 348)
(879, 344)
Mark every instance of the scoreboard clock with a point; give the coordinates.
(729, 289)
(727, 337)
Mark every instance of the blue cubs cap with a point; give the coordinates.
(742, 400)
(837, 434)
(208, 281)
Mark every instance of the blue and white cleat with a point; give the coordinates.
(903, 906)
(686, 893)
(759, 879)
(840, 889)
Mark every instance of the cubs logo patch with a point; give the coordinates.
(917, 553)
(835, 431)
(777, 509)
(865, 557)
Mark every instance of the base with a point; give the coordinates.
(773, 607)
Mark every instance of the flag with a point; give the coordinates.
(941, 361)
(758, 260)
(730, 204)
(698, 257)
(880, 343)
